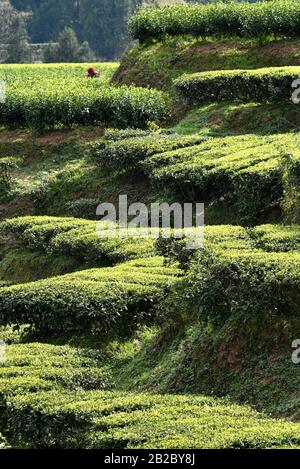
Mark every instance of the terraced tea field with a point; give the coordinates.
(135, 341)
(43, 97)
(80, 411)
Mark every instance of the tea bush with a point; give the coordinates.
(78, 238)
(247, 169)
(273, 85)
(103, 419)
(37, 232)
(277, 238)
(87, 245)
(227, 238)
(127, 153)
(216, 238)
(46, 96)
(244, 284)
(66, 103)
(39, 367)
(250, 20)
(97, 299)
(59, 397)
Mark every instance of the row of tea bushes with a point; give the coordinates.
(37, 232)
(29, 75)
(242, 283)
(43, 96)
(229, 19)
(42, 367)
(276, 238)
(214, 238)
(77, 238)
(115, 298)
(59, 397)
(247, 170)
(118, 420)
(244, 272)
(272, 85)
(33, 367)
(86, 245)
(56, 102)
(122, 296)
(128, 152)
(226, 238)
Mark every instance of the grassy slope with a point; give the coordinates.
(159, 63)
(58, 165)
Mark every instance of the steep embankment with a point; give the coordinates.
(158, 63)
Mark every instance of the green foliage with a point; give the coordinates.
(244, 284)
(40, 367)
(68, 49)
(23, 75)
(85, 244)
(276, 238)
(217, 238)
(7, 17)
(103, 23)
(7, 166)
(77, 238)
(240, 273)
(246, 170)
(128, 153)
(99, 299)
(18, 49)
(83, 208)
(114, 135)
(291, 183)
(58, 397)
(227, 118)
(158, 63)
(260, 85)
(225, 238)
(106, 419)
(44, 101)
(258, 20)
(37, 232)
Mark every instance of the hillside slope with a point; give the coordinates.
(106, 334)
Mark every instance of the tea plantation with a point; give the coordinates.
(123, 338)
(42, 98)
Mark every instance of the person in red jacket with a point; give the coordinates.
(92, 73)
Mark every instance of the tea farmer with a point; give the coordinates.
(92, 73)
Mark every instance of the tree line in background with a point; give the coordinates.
(75, 30)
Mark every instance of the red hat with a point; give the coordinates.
(91, 70)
